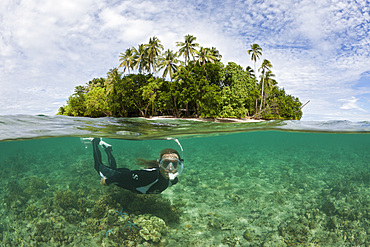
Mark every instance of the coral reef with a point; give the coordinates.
(275, 193)
(151, 227)
(65, 199)
(141, 204)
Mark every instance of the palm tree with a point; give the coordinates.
(265, 67)
(96, 82)
(153, 50)
(214, 52)
(114, 77)
(269, 78)
(187, 48)
(255, 52)
(270, 84)
(205, 55)
(141, 58)
(251, 72)
(127, 59)
(183, 72)
(169, 63)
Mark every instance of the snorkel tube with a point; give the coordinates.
(172, 176)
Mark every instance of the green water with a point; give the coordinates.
(258, 188)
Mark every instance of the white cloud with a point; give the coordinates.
(318, 48)
(350, 104)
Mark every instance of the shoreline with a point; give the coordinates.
(216, 120)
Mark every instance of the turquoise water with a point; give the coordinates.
(244, 184)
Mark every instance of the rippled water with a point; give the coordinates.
(25, 126)
(281, 183)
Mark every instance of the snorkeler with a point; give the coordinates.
(158, 175)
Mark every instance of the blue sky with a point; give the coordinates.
(319, 49)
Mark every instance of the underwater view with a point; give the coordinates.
(278, 183)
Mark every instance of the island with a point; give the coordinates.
(189, 83)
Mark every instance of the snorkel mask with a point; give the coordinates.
(173, 166)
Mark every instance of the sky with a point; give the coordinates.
(319, 49)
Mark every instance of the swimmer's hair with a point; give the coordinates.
(147, 163)
(154, 163)
(169, 151)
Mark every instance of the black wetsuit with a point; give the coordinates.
(146, 181)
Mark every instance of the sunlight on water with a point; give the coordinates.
(256, 188)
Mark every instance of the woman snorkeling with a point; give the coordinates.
(155, 178)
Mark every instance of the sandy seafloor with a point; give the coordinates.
(264, 188)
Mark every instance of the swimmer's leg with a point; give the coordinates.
(111, 159)
(97, 155)
(108, 149)
(103, 170)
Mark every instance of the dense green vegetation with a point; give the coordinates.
(199, 86)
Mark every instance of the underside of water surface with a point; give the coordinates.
(261, 187)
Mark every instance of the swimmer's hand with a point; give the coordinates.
(102, 181)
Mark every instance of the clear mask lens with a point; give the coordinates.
(172, 165)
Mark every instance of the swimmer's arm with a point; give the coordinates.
(136, 178)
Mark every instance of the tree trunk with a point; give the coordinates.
(263, 82)
(141, 112)
(256, 107)
(176, 111)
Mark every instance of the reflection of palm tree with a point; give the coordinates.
(153, 51)
(141, 60)
(114, 76)
(127, 59)
(169, 63)
(255, 52)
(187, 48)
(265, 67)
